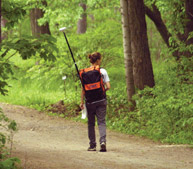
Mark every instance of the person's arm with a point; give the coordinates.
(82, 99)
(106, 79)
(107, 86)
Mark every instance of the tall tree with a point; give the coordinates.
(127, 52)
(188, 26)
(3, 24)
(184, 9)
(82, 22)
(0, 21)
(142, 66)
(35, 14)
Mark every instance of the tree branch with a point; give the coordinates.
(11, 56)
(155, 16)
(4, 53)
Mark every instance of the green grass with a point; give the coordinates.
(29, 93)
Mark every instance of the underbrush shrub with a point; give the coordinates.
(7, 128)
(162, 113)
(168, 116)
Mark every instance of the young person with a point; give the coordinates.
(97, 108)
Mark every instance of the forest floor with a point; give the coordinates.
(47, 142)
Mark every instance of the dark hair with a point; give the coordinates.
(94, 57)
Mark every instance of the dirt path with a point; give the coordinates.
(45, 142)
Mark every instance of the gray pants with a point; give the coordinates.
(99, 110)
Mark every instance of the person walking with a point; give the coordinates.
(94, 94)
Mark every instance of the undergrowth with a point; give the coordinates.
(163, 113)
(7, 128)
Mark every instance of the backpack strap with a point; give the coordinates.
(101, 81)
(81, 71)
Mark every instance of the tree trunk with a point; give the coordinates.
(127, 53)
(189, 25)
(142, 66)
(0, 21)
(36, 14)
(82, 22)
(3, 24)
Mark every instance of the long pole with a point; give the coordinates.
(73, 59)
(71, 53)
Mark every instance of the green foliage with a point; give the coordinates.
(175, 15)
(176, 19)
(4, 72)
(103, 4)
(12, 11)
(28, 46)
(167, 116)
(99, 39)
(58, 12)
(10, 163)
(6, 126)
(52, 72)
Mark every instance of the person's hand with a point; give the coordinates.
(82, 106)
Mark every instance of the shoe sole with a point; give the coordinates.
(91, 150)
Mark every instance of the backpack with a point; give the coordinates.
(93, 85)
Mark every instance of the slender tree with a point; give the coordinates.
(127, 52)
(82, 22)
(142, 66)
(188, 25)
(3, 24)
(36, 14)
(0, 21)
